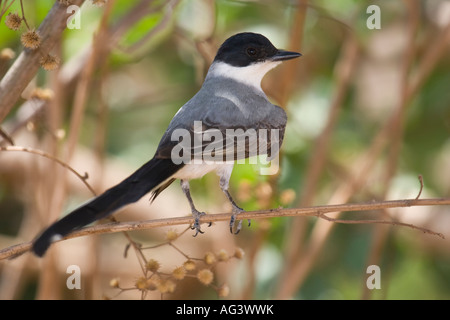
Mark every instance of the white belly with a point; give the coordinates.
(195, 171)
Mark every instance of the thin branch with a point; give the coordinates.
(168, 12)
(83, 86)
(23, 15)
(391, 222)
(25, 114)
(6, 136)
(421, 186)
(83, 178)
(5, 8)
(317, 211)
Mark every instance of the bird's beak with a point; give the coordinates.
(282, 55)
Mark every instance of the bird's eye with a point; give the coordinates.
(251, 52)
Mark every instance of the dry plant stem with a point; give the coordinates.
(131, 18)
(23, 15)
(397, 124)
(396, 131)
(6, 137)
(344, 70)
(289, 72)
(169, 7)
(37, 106)
(378, 240)
(5, 8)
(421, 186)
(27, 64)
(251, 254)
(60, 185)
(73, 68)
(282, 92)
(83, 178)
(435, 52)
(81, 93)
(317, 211)
(49, 194)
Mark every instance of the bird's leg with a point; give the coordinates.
(224, 183)
(195, 213)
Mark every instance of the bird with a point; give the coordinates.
(230, 101)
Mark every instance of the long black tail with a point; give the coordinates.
(130, 190)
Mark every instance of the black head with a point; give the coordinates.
(244, 49)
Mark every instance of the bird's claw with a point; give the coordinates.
(196, 225)
(236, 211)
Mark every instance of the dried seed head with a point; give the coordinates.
(210, 258)
(13, 21)
(7, 54)
(223, 291)
(42, 94)
(287, 196)
(153, 283)
(141, 283)
(60, 133)
(223, 255)
(171, 235)
(114, 283)
(153, 265)
(99, 3)
(49, 62)
(31, 39)
(189, 265)
(166, 286)
(263, 193)
(205, 276)
(179, 273)
(239, 253)
(245, 190)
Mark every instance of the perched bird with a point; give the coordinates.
(230, 118)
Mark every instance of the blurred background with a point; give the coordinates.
(369, 111)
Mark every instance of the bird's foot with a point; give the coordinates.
(236, 211)
(197, 214)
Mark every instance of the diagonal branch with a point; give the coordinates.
(316, 211)
(83, 178)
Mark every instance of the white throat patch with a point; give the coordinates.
(251, 75)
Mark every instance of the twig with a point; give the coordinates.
(23, 15)
(391, 222)
(169, 8)
(83, 178)
(317, 211)
(5, 8)
(6, 136)
(421, 186)
(83, 85)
